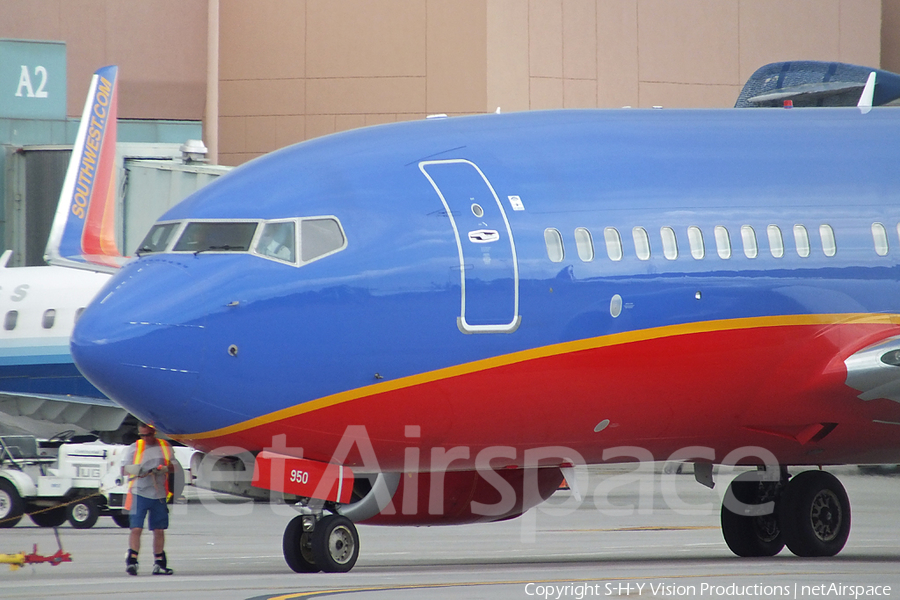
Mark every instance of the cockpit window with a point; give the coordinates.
(216, 237)
(158, 238)
(277, 241)
(319, 237)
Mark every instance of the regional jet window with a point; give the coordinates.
(319, 237)
(12, 317)
(78, 313)
(158, 238)
(879, 235)
(776, 242)
(216, 237)
(829, 247)
(723, 242)
(669, 242)
(641, 243)
(613, 243)
(553, 241)
(695, 240)
(278, 241)
(48, 319)
(748, 236)
(801, 239)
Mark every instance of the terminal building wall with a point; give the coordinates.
(291, 70)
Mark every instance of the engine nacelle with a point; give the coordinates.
(458, 497)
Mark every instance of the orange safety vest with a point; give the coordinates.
(138, 456)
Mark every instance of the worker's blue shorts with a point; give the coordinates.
(154, 507)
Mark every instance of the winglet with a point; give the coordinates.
(868, 93)
(84, 228)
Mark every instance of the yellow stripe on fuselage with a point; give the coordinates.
(614, 339)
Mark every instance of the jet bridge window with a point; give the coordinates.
(216, 236)
(9, 322)
(879, 235)
(829, 247)
(801, 239)
(553, 241)
(158, 238)
(48, 319)
(278, 241)
(319, 237)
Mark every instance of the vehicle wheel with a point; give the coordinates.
(122, 519)
(11, 506)
(751, 535)
(83, 513)
(297, 548)
(335, 544)
(50, 518)
(814, 514)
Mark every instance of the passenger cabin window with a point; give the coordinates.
(613, 243)
(216, 237)
(880, 237)
(48, 319)
(78, 313)
(723, 242)
(669, 242)
(748, 237)
(158, 238)
(776, 241)
(801, 239)
(9, 322)
(584, 244)
(319, 237)
(641, 243)
(278, 241)
(695, 240)
(829, 247)
(553, 241)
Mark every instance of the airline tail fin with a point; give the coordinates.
(84, 228)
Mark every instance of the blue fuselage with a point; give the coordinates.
(568, 247)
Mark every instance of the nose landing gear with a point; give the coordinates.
(317, 542)
(810, 514)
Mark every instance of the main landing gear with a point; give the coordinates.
(808, 513)
(314, 541)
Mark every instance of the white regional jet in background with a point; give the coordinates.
(41, 390)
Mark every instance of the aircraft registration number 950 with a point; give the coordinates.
(298, 476)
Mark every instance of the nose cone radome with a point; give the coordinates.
(140, 341)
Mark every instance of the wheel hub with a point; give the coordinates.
(340, 545)
(80, 512)
(825, 515)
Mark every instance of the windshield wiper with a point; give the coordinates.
(226, 247)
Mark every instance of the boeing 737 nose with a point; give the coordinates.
(141, 341)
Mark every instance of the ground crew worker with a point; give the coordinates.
(147, 464)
